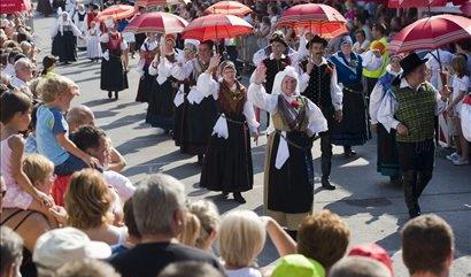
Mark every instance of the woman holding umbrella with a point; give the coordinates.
(227, 166)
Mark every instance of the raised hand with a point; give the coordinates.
(260, 74)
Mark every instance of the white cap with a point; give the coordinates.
(59, 246)
(192, 41)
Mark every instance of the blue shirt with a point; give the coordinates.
(50, 123)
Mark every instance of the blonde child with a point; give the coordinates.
(52, 129)
(241, 239)
(15, 117)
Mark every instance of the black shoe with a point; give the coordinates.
(225, 194)
(116, 96)
(350, 153)
(327, 185)
(200, 159)
(110, 94)
(238, 197)
(414, 213)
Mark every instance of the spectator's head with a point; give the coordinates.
(26, 47)
(87, 268)
(360, 35)
(459, 64)
(16, 110)
(133, 233)
(79, 116)
(58, 90)
(373, 251)
(49, 62)
(191, 230)
(297, 265)
(24, 69)
(241, 238)
(11, 56)
(159, 207)
(88, 200)
(209, 218)
(427, 245)
(346, 44)
(11, 250)
(55, 248)
(93, 141)
(40, 171)
(194, 269)
(278, 43)
(3, 191)
(378, 30)
(323, 237)
(359, 267)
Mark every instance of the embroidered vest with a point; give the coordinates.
(318, 89)
(280, 122)
(273, 67)
(416, 110)
(114, 44)
(231, 103)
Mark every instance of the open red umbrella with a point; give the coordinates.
(466, 8)
(415, 3)
(431, 33)
(13, 6)
(228, 7)
(216, 26)
(158, 22)
(159, 3)
(116, 12)
(317, 18)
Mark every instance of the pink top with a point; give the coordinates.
(15, 197)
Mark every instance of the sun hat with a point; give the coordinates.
(297, 265)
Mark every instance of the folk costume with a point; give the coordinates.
(80, 20)
(93, 42)
(289, 171)
(416, 109)
(64, 39)
(227, 165)
(387, 157)
(147, 82)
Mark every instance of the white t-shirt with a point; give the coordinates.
(459, 84)
(120, 183)
(244, 272)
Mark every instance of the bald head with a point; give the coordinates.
(79, 116)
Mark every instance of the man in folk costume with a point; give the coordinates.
(195, 115)
(353, 129)
(227, 166)
(318, 82)
(114, 63)
(387, 162)
(410, 109)
(148, 50)
(289, 171)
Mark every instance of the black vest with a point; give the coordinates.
(318, 89)
(273, 67)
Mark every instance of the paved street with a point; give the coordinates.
(374, 210)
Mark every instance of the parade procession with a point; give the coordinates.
(239, 138)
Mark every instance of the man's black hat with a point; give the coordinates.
(411, 62)
(316, 39)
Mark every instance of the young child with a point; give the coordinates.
(52, 129)
(241, 239)
(460, 84)
(93, 42)
(15, 118)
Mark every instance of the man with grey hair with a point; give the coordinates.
(23, 74)
(359, 267)
(11, 252)
(159, 211)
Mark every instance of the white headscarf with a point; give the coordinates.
(63, 22)
(290, 72)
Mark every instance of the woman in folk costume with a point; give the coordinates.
(161, 108)
(91, 14)
(81, 23)
(93, 42)
(227, 166)
(114, 62)
(353, 129)
(64, 39)
(387, 163)
(148, 50)
(196, 115)
(45, 7)
(289, 172)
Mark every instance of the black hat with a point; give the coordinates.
(411, 62)
(279, 37)
(316, 39)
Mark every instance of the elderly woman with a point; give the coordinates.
(64, 39)
(289, 172)
(227, 166)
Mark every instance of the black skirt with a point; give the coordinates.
(65, 46)
(147, 84)
(227, 165)
(113, 76)
(44, 7)
(388, 160)
(352, 130)
(291, 188)
(161, 108)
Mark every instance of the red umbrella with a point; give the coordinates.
(317, 18)
(159, 22)
(217, 26)
(228, 7)
(431, 33)
(13, 6)
(116, 12)
(415, 3)
(466, 8)
(159, 3)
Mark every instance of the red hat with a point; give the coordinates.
(375, 252)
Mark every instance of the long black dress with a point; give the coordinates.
(44, 7)
(146, 82)
(64, 44)
(228, 165)
(113, 75)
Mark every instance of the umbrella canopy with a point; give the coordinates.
(415, 3)
(159, 22)
(228, 7)
(116, 12)
(317, 18)
(466, 8)
(431, 33)
(159, 3)
(216, 26)
(13, 6)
